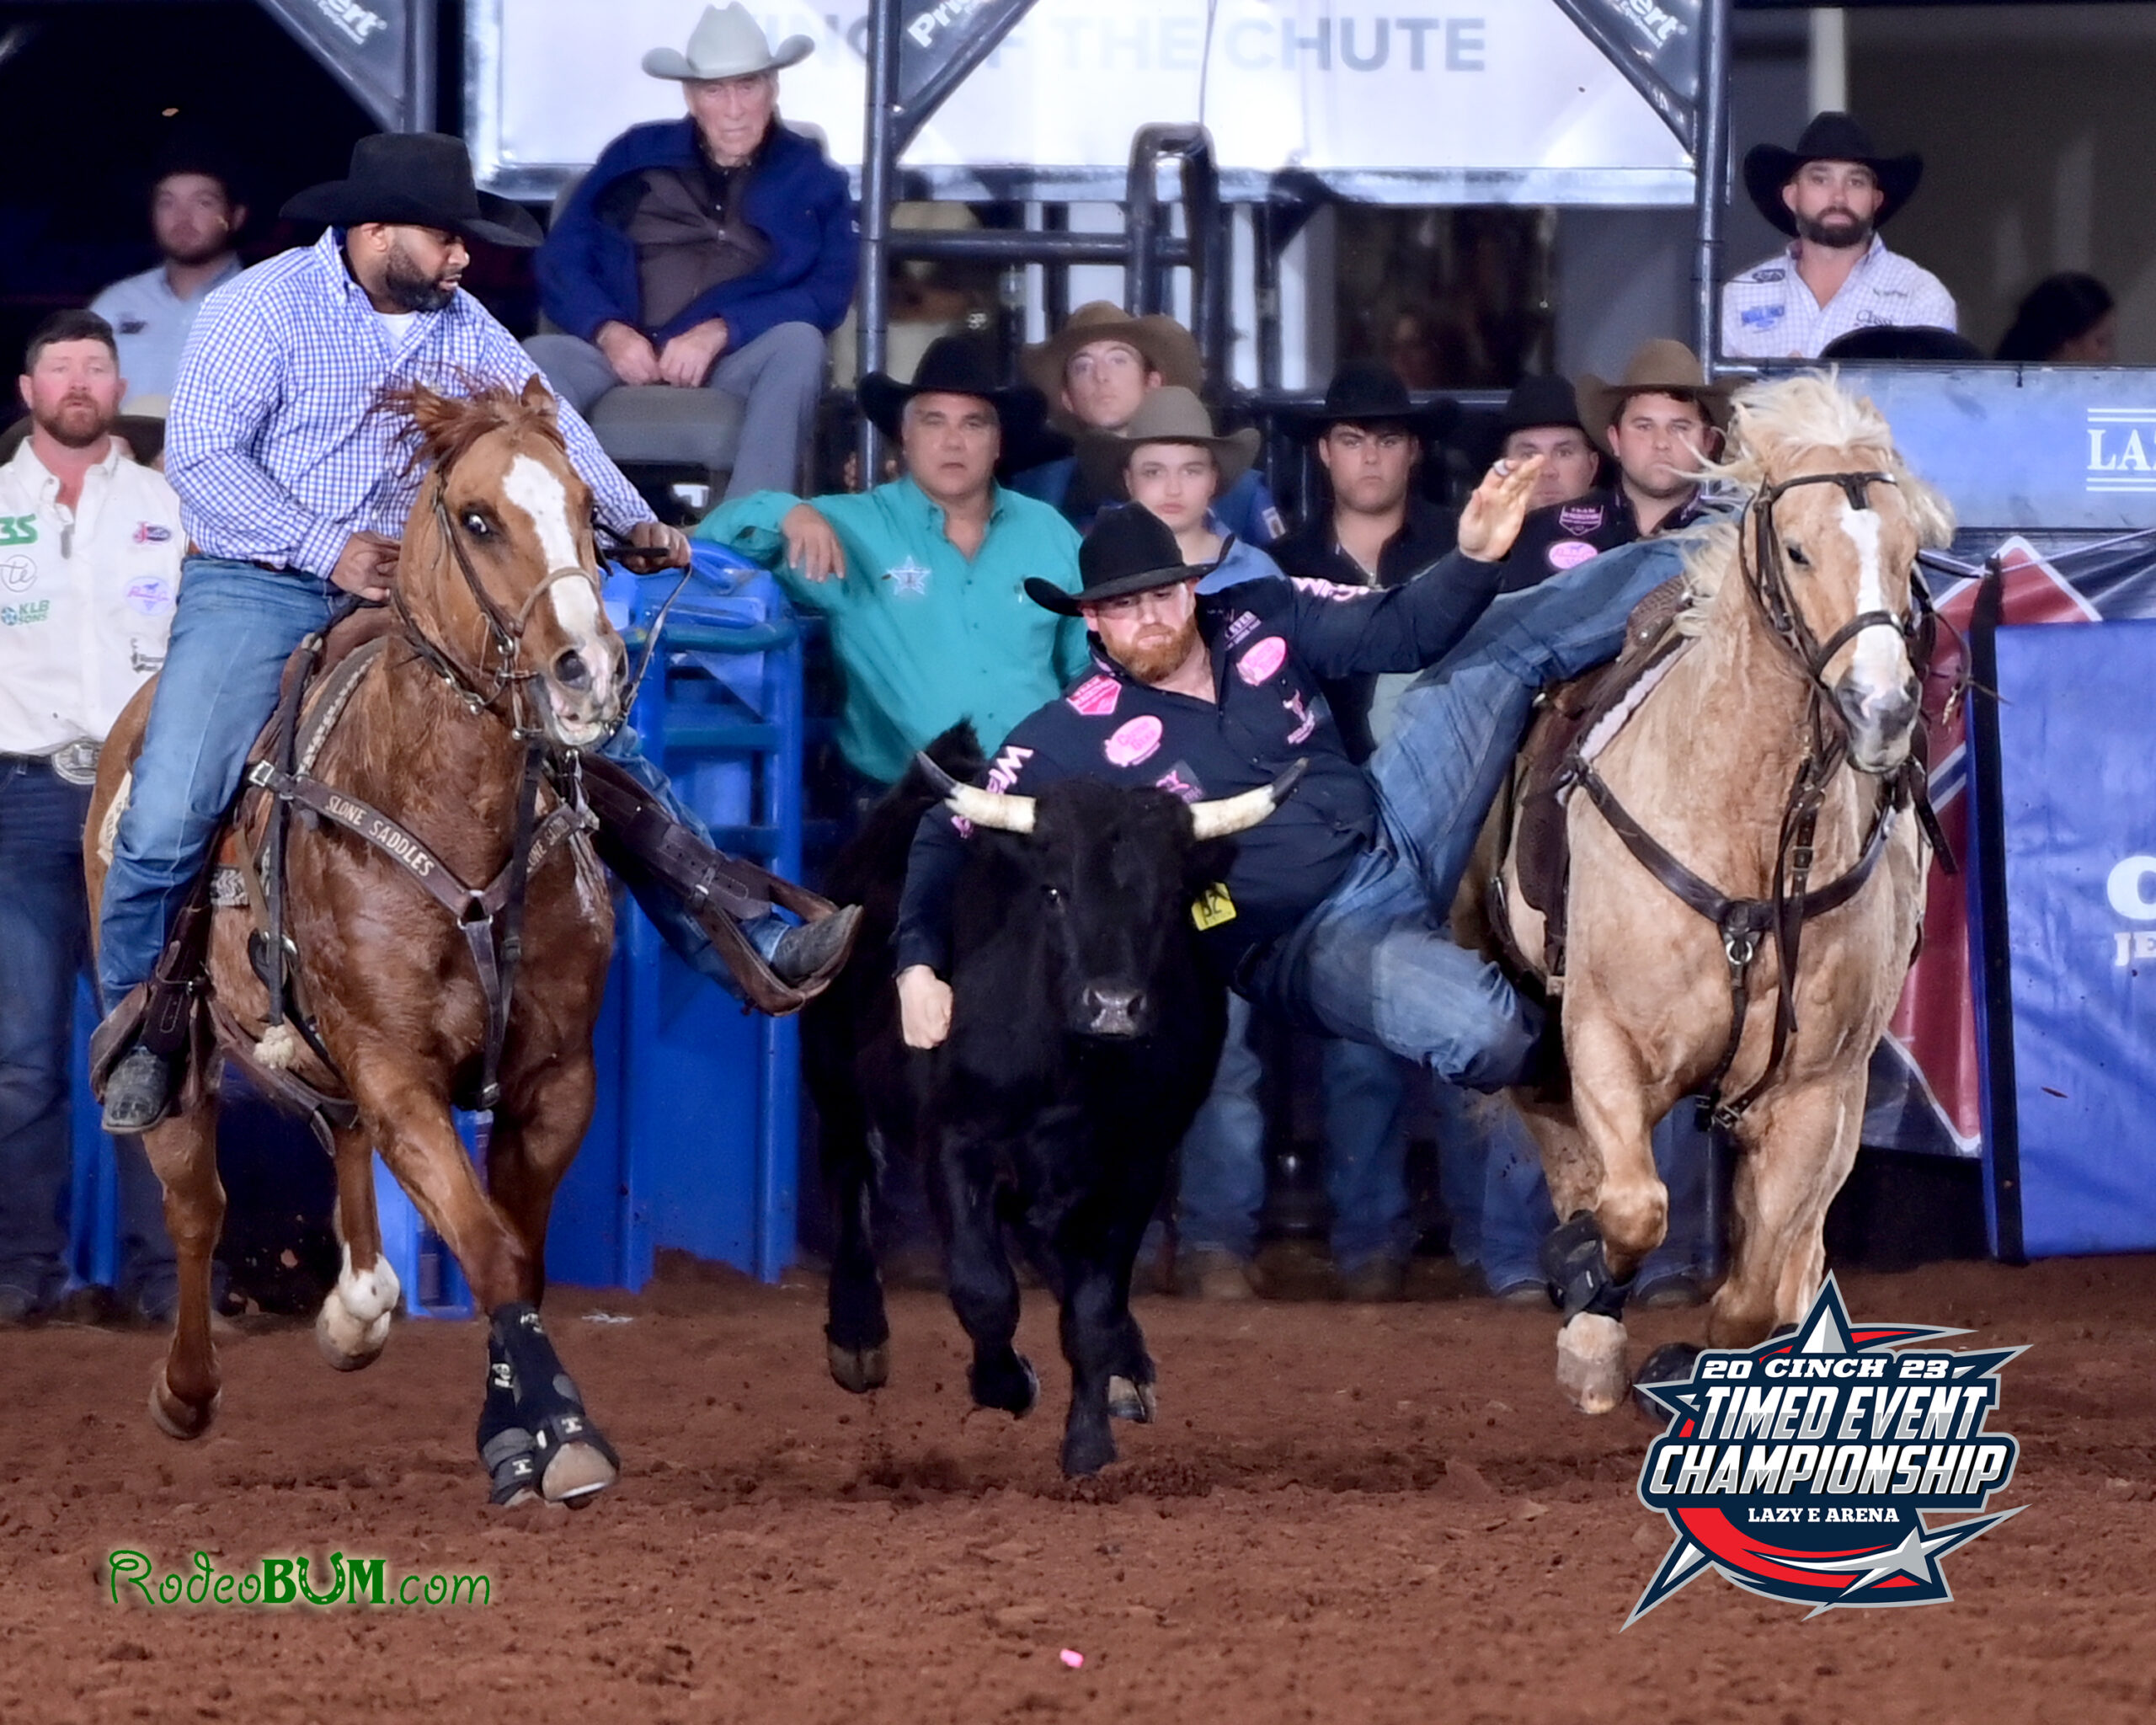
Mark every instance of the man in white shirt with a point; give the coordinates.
(1831, 194)
(90, 547)
(196, 221)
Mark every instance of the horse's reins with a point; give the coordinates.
(1744, 923)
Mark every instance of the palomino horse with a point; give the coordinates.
(502, 641)
(1756, 806)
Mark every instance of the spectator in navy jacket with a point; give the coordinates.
(716, 251)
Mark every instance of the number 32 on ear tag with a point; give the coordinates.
(1212, 907)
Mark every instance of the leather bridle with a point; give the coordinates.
(1744, 923)
(502, 671)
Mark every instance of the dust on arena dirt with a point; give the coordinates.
(1344, 1514)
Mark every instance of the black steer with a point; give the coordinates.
(1084, 1029)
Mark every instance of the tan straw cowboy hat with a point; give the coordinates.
(1164, 345)
(1168, 414)
(726, 42)
(1659, 367)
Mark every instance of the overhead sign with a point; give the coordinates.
(2058, 448)
(1476, 101)
(1655, 43)
(365, 45)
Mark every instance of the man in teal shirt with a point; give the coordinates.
(923, 579)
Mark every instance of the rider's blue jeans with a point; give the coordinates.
(235, 626)
(1373, 962)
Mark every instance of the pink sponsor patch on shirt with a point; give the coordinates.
(1571, 553)
(1133, 741)
(1095, 698)
(1265, 657)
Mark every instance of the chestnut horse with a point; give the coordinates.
(501, 632)
(1769, 769)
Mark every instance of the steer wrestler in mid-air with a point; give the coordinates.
(1334, 914)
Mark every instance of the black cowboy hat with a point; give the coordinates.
(1830, 137)
(1534, 401)
(1538, 401)
(1366, 393)
(1898, 341)
(1129, 550)
(953, 365)
(417, 179)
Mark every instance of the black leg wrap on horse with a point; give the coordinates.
(506, 1450)
(1579, 1272)
(548, 1405)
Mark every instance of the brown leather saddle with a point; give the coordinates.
(591, 803)
(1582, 712)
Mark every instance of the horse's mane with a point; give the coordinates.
(445, 427)
(1771, 424)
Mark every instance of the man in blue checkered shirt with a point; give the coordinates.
(293, 488)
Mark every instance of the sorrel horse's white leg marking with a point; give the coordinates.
(353, 1321)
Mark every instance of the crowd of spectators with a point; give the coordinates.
(717, 253)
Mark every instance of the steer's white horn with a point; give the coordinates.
(997, 810)
(1234, 815)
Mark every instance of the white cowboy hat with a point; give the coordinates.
(726, 42)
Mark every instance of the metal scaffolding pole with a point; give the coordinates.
(878, 161)
(1710, 161)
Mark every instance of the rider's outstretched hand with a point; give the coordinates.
(1492, 519)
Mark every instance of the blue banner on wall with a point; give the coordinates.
(2076, 735)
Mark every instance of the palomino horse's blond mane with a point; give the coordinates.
(1774, 424)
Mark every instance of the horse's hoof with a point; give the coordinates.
(577, 1473)
(1591, 1362)
(860, 1370)
(1132, 1400)
(345, 1342)
(1670, 1364)
(175, 1418)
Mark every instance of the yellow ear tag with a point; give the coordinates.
(1212, 907)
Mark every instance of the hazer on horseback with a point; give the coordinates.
(1748, 836)
(350, 424)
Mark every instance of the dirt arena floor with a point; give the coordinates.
(1345, 1514)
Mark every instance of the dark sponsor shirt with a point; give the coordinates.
(1272, 642)
(1313, 552)
(1566, 535)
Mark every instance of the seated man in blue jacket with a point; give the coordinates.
(716, 251)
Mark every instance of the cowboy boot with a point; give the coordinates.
(141, 1047)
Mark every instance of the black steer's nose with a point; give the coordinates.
(570, 671)
(1111, 1009)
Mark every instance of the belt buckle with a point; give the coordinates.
(75, 763)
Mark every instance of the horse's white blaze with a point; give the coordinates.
(533, 488)
(1881, 664)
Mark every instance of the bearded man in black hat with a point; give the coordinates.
(293, 488)
(1831, 194)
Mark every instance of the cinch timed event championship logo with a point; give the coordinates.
(1802, 1469)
